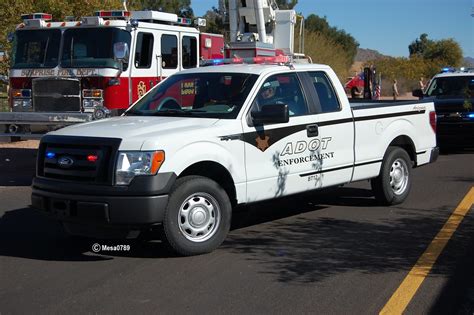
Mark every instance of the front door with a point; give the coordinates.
(276, 154)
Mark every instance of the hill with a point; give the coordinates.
(364, 55)
(468, 62)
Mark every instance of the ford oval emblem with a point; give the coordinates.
(65, 162)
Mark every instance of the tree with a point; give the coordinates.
(418, 46)
(445, 52)
(437, 53)
(320, 25)
(179, 7)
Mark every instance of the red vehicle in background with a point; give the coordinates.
(356, 85)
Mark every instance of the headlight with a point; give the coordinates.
(17, 103)
(21, 104)
(131, 164)
(91, 103)
(26, 103)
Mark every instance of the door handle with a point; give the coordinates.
(312, 130)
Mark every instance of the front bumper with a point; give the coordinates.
(95, 210)
(33, 125)
(452, 133)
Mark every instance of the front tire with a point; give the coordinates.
(393, 184)
(197, 217)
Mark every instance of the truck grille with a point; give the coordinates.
(72, 159)
(56, 95)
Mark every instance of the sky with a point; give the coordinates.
(389, 26)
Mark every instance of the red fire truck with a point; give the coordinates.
(68, 72)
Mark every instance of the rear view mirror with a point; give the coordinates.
(271, 114)
(121, 51)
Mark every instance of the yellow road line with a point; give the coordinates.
(407, 289)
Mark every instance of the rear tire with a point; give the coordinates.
(393, 184)
(197, 217)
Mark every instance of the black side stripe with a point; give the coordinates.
(276, 134)
(339, 168)
(389, 115)
(422, 152)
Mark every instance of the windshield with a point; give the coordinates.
(210, 95)
(36, 49)
(92, 47)
(449, 87)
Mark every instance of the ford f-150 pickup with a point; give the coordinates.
(208, 139)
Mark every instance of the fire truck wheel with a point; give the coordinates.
(197, 217)
(393, 184)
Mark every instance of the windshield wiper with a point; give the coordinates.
(171, 112)
(134, 113)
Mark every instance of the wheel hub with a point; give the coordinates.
(399, 176)
(197, 217)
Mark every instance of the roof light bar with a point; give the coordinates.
(251, 60)
(112, 14)
(448, 69)
(184, 21)
(37, 16)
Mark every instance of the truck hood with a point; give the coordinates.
(135, 130)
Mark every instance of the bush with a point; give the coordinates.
(326, 51)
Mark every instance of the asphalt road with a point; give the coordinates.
(331, 252)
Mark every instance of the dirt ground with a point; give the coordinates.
(28, 144)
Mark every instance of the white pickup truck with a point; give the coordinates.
(208, 139)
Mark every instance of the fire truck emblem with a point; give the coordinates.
(141, 89)
(262, 143)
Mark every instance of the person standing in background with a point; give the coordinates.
(422, 84)
(394, 90)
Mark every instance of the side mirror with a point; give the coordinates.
(417, 93)
(121, 51)
(271, 114)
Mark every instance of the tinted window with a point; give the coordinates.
(189, 52)
(325, 92)
(144, 50)
(455, 86)
(282, 89)
(215, 95)
(36, 49)
(169, 51)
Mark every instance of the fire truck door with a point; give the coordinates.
(168, 53)
(144, 75)
(189, 50)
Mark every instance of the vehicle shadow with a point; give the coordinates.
(309, 248)
(28, 234)
(287, 236)
(18, 166)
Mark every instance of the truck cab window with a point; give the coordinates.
(282, 89)
(144, 50)
(325, 92)
(189, 52)
(169, 51)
